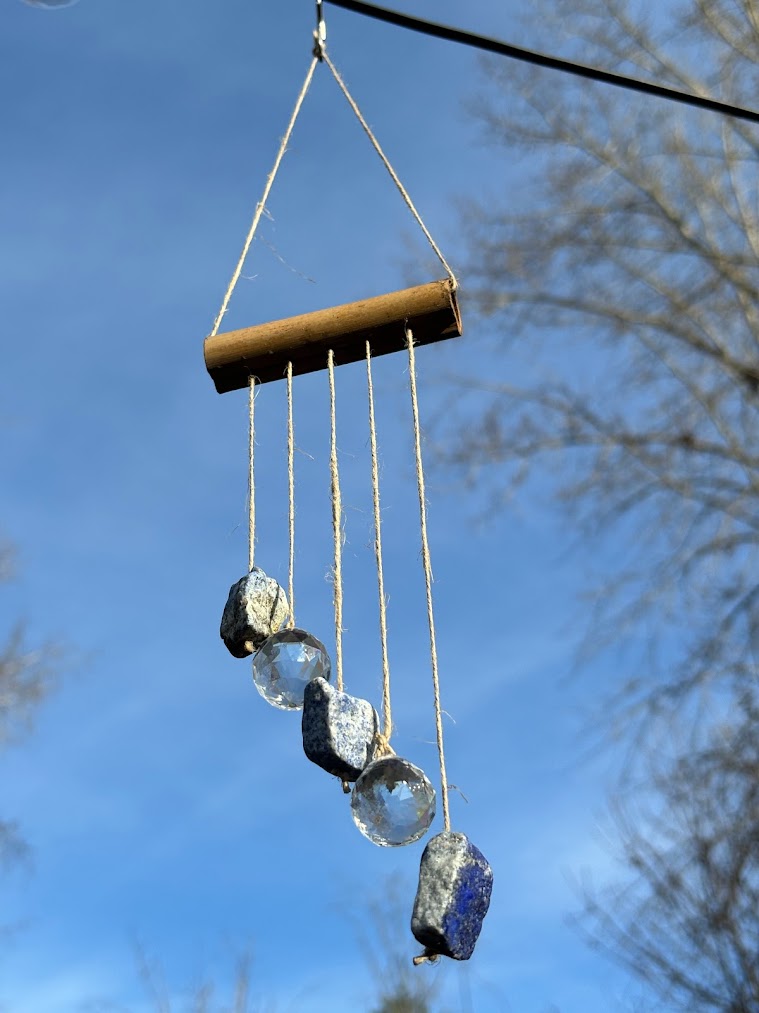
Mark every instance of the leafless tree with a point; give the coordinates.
(687, 921)
(381, 925)
(621, 279)
(383, 932)
(26, 677)
(204, 997)
(622, 283)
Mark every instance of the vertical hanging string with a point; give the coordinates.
(337, 516)
(386, 708)
(291, 493)
(387, 717)
(251, 472)
(426, 563)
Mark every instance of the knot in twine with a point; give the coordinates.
(382, 746)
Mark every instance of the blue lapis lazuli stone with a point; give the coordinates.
(471, 898)
(455, 884)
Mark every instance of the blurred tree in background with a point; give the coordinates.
(381, 926)
(27, 674)
(687, 921)
(622, 282)
(382, 929)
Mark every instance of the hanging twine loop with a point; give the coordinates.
(320, 32)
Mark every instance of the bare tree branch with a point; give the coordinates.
(686, 922)
(27, 675)
(638, 250)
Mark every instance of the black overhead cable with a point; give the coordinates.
(541, 60)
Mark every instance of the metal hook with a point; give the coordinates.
(320, 34)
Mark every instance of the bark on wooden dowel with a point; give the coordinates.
(263, 351)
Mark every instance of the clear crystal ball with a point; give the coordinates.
(393, 802)
(284, 663)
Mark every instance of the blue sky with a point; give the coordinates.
(165, 802)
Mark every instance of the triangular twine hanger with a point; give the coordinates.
(264, 350)
(342, 733)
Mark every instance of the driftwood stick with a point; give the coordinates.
(263, 351)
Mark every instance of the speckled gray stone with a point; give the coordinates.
(256, 608)
(455, 882)
(339, 731)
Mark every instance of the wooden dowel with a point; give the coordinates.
(263, 351)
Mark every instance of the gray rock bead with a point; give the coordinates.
(256, 608)
(339, 731)
(455, 882)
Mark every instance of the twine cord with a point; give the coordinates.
(383, 737)
(337, 517)
(427, 565)
(386, 162)
(291, 493)
(382, 746)
(260, 207)
(251, 472)
(383, 740)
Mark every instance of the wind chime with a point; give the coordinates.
(392, 800)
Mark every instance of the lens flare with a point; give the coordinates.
(50, 5)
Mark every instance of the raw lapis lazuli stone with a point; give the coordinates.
(455, 882)
(256, 608)
(393, 803)
(339, 731)
(285, 664)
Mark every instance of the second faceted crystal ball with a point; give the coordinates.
(393, 802)
(284, 665)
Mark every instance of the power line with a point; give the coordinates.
(541, 60)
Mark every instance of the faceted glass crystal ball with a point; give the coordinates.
(393, 803)
(285, 663)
